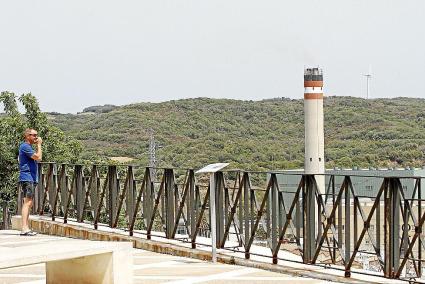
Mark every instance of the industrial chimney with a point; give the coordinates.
(314, 131)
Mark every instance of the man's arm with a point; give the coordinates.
(39, 154)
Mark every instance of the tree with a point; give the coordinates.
(56, 145)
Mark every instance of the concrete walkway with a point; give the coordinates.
(149, 267)
(291, 266)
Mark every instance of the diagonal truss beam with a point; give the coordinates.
(233, 207)
(289, 218)
(329, 221)
(366, 225)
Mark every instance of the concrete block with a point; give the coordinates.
(106, 268)
(17, 222)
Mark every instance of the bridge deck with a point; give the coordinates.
(148, 267)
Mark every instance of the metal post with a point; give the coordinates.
(130, 199)
(387, 213)
(20, 200)
(213, 218)
(405, 228)
(5, 225)
(39, 191)
(309, 230)
(395, 228)
(241, 206)
(392, 230)
(247, 231)
(275, 204)
(226, 215)
(378, 226)
(53, 185)
(298, 219)
(347, 223)
(420, 240)
(340, 222)
(219, 207)
(197, 205)
(79, 195)
(332, 180)
(112, 193)
(319, 218)
(64, 188)
(169, 202)
(192, 211)
(269, 216)
(355, 216)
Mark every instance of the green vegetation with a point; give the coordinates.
(253, 135)
(56, 145)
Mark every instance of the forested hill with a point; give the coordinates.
(252, 135)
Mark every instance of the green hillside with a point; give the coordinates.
(253, 135)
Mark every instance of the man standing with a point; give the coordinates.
(28, 176)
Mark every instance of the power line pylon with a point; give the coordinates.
(152, 154)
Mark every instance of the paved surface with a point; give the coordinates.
(149, 267)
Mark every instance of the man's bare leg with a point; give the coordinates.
(26, 207)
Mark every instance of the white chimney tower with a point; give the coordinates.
(314, 161)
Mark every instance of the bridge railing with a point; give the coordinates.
(286, 212)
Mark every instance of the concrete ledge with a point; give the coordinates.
(72, 260)
(74, 231)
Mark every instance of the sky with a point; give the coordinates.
(75, 54)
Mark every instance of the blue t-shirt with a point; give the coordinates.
(27, 165)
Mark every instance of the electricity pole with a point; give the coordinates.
(152, 154)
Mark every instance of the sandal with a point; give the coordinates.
(29, 233)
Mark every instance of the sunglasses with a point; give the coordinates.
(35, 135)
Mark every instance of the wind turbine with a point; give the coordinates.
(368, 77)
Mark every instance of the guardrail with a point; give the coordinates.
(337, 225)
(5, 217)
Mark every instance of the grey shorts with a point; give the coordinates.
(28, 189)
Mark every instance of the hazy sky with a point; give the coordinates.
(74, 54)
